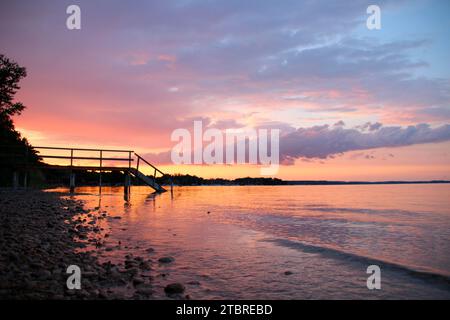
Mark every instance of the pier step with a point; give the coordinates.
(148, 181)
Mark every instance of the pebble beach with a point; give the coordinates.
(43, 233)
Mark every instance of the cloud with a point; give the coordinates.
(158, 158)
(226, 124)
(370, 126)
(340, 123)
(325, 141)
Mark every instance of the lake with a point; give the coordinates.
(284, 242)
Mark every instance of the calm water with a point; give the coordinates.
(326, 236)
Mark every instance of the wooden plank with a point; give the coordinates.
(95, 168)
(85, 158)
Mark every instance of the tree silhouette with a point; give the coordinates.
(14, 149)
(10, 75)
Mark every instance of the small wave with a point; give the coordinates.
(327, 209)
(430, 276)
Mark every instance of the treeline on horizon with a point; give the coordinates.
(192, 180)
(43, 177)
(55, 178)
(48, 178)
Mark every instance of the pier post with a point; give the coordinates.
(100, 176)
(25, 180)
(15, 180)
(72, 182)
(100, 183)
(126, 189)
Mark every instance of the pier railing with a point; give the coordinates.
(101, 155)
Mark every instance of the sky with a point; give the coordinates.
(350, 103)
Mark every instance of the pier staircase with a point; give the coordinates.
(150, 181)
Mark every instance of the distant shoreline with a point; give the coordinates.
(278, 183)
(325, 182)
(188, 180)
(319, 183)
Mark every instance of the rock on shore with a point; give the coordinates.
(40, 233)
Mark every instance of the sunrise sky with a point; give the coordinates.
(351, 103)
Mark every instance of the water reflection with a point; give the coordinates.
(241, 242)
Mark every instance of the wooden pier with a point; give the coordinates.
(126, 157)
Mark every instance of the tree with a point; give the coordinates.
(14, 149)
(10, 75)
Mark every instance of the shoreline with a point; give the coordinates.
(43, 233)
(51, 187)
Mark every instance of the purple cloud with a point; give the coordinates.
(325, 141)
